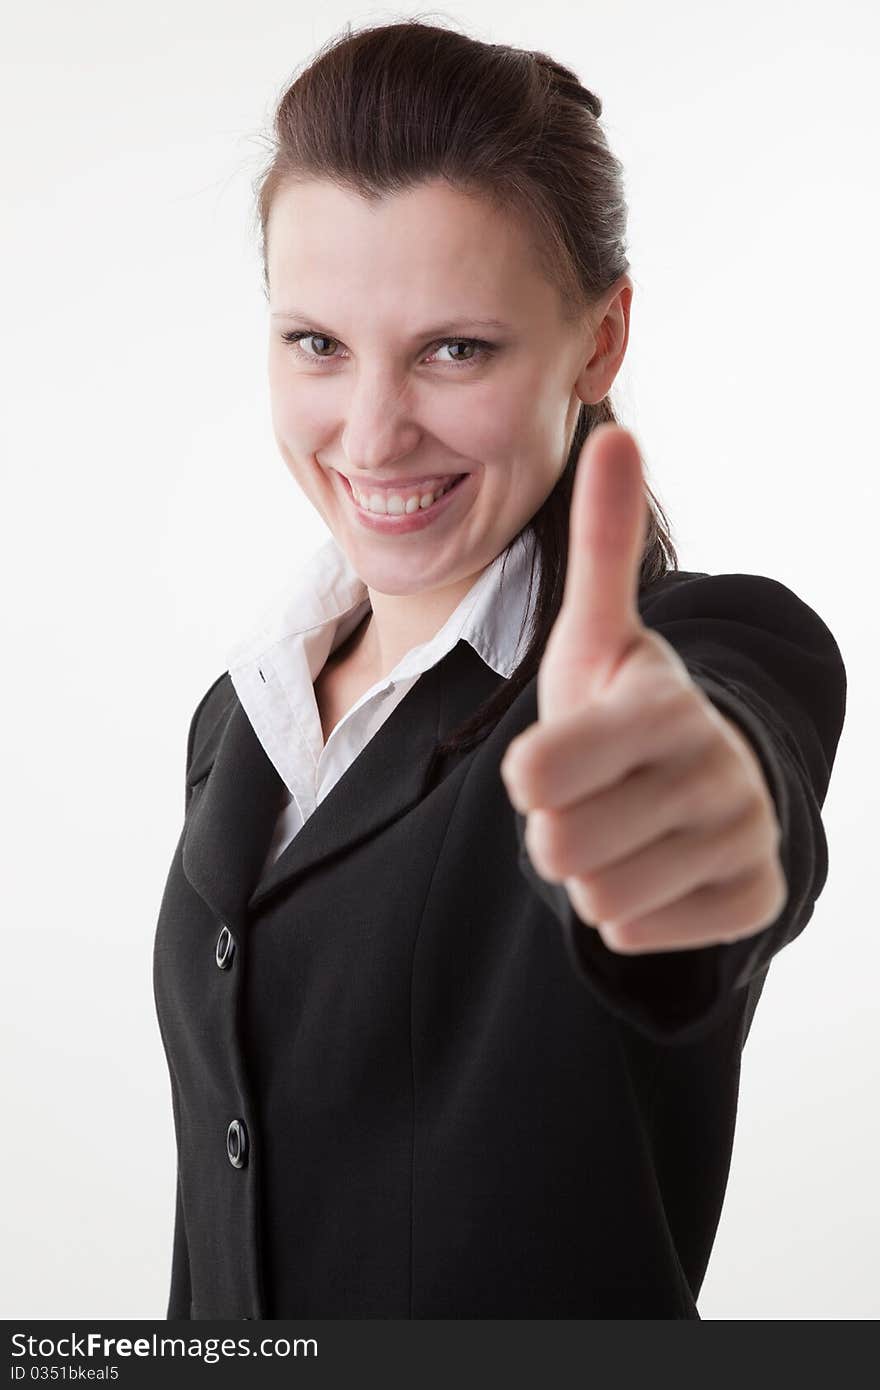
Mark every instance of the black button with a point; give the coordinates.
(237, 1143)
(225, 949)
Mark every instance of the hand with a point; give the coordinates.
(639, 795)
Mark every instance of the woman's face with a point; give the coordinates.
(382, 386)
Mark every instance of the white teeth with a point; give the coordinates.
(393, 504)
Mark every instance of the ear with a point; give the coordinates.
(607, 339)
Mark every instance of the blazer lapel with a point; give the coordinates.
(237, 795)
(230, 825)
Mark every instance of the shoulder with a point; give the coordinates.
(211, 708)
(752, 601)
(753, 640)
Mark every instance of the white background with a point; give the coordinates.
(149, 519)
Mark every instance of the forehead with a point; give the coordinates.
(409, 250)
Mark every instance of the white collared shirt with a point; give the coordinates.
(273, 670)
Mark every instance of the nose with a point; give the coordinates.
(378, 427)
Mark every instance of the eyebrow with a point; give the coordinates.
(448, 329)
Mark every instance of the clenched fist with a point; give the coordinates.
(639, 795)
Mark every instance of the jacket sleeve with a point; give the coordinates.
(769, 663)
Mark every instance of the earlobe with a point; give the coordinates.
(587, 386)
(590, 386)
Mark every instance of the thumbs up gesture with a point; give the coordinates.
(646, 802)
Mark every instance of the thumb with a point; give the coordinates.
(607, 529)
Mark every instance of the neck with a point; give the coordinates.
(399, 622)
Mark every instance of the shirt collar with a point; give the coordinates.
(328, 600)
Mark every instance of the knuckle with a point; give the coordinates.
(549, 842)
(539, 774)
(674, 713)
(597, 897)
(759, 897)
(619, 936)
(695, 791)
(524, 761)
(747, 838)
(542, 837)
(614, 935)
(582, 889)
(738, 846)
(748, 779)
(527, 765)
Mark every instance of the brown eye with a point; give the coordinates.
(461, 343)
(316, 338)
(475, 350)
(294, 339)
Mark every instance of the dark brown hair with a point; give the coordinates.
(384, 108)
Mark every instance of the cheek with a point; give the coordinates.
(514, 441)
(293, 411)
(297, 435)
(489, 425)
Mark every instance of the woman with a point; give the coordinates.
(453, 1026)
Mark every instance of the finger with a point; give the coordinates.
(589, 836)
(710, 915)
(578, 755)
(660, 873)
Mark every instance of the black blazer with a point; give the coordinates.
(407, 1081)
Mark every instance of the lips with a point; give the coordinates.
(405, 522)
(404, 499)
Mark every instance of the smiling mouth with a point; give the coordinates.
(387, 501)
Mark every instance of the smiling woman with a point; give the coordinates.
(492, 831)
(375, 401)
